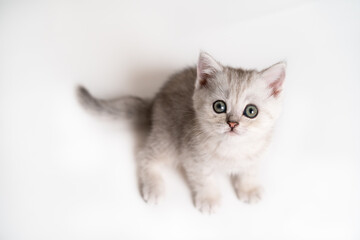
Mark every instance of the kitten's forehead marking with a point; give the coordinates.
(238, 81)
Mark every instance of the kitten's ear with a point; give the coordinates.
(274, 77)
(207, 66)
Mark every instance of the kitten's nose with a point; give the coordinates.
(233, 124)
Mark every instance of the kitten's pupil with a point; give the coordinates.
(219, 106)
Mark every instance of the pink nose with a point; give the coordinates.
(233, 124)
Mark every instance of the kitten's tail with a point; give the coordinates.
(131, 107)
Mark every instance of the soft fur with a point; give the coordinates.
(186, 130)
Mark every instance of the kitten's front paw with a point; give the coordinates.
(207, 202)
(153, 193)
(251, 195)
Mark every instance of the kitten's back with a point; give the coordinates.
(173, 106)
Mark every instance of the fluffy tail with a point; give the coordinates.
(134, 108)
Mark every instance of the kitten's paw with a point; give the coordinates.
(207, 203)
(252, 195)
(153, 193)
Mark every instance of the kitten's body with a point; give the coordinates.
(186, 131)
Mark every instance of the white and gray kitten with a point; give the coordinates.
(208, 120)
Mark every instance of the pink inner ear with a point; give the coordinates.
(275, 76)
(275, 90)
(276, 85)
(207, 66)
(204, 71)
(201, 75)
(203, 82)
(203, 78)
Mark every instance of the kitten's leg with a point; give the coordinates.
(247, 186)
(205, 190)
(151, 181)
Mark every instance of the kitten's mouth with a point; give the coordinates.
(232, 132)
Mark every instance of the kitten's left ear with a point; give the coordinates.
(274, 77)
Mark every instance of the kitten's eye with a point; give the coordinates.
(219, 106)
(251, 111)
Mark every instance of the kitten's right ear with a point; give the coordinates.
(207, 67)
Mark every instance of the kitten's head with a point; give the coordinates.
(236, 102)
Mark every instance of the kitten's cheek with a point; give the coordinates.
(222, 129)
(242, 131)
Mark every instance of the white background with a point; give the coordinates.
(65, 174)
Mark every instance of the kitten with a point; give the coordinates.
(208, 120)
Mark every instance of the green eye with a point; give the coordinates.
(251, 111)
(219, 106)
